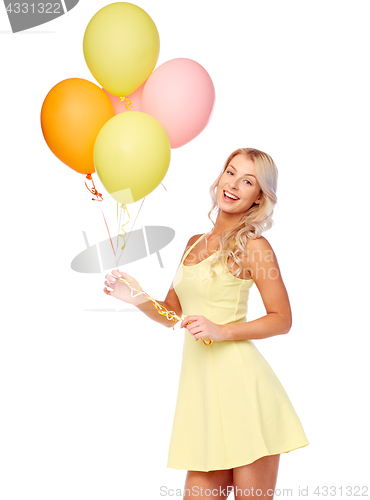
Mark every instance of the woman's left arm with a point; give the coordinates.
(262, 264)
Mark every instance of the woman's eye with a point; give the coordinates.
(230, 172)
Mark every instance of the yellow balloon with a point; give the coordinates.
(121, 47)
(132, 154)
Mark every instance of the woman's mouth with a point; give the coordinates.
(231, 198)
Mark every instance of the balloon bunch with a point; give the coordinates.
(125, 130)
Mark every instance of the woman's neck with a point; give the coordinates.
(224, 222)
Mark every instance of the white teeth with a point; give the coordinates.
(230, 196)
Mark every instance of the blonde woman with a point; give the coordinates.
(233, 417)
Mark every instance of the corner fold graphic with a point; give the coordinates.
(28, 14)
(70, 4)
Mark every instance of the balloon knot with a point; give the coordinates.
(93, 190)
(128, 104)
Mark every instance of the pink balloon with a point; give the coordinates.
(131, 103)
(180, 95)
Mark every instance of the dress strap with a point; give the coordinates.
(191, 247)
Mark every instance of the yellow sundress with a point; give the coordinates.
(231, 408)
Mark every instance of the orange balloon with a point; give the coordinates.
(72, 115)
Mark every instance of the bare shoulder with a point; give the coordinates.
(194, 238)
(191, 242)
(260, 256)
(260, 249)
(260, 243)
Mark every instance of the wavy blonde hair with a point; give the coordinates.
(257, 219)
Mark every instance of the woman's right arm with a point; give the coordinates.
(171, 303)
(123, 292)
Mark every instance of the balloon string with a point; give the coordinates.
(170, 315)
(119, 223)
(98, 195)
(128, 104)
(131, 228)
(124, 207)
(93, 190)
(109, 234)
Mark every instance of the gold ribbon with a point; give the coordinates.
(170, 315)
(123, 207)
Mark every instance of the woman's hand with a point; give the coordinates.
(121, 290)
(202, 328)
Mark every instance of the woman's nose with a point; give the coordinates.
(233, 183)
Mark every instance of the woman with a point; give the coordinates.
(233, 418)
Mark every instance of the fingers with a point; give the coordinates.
(194, 330)
(109, 286)
(110, 281)
(117, 273)
(194, 335)
(188, 320)
(110, 278)
(191, 320)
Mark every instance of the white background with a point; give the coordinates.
(89, 385)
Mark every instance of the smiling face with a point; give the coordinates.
(238, 180)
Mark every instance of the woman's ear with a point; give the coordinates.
(259, 199)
